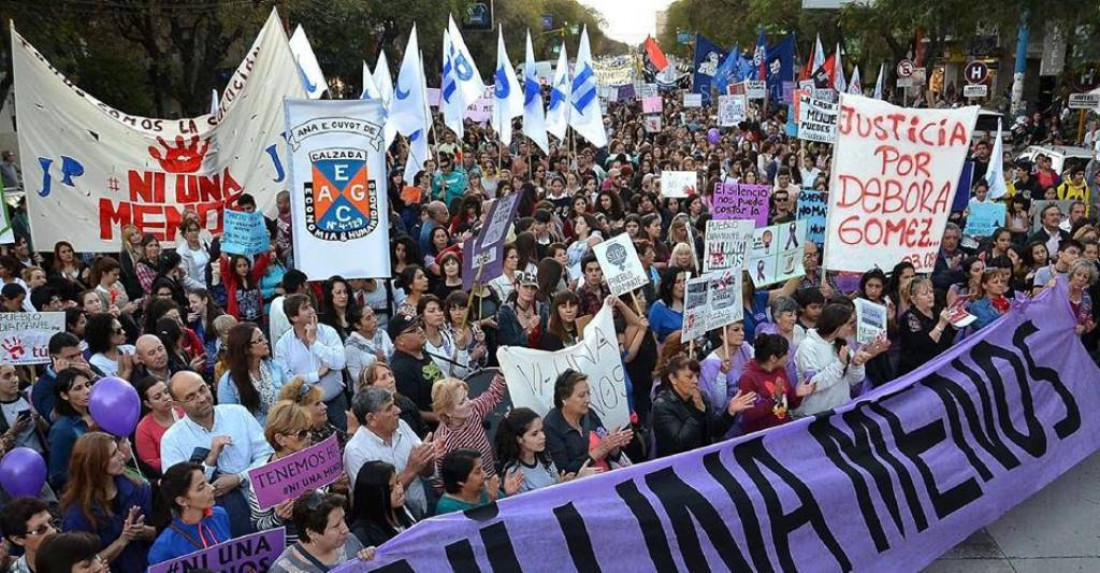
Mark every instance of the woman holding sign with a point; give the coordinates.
(289, 429)
(825, 360)
(922, 333)
(197, 523)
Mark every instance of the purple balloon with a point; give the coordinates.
(23, 472)
(115, 406)
(713, 135)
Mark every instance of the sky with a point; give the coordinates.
(629, 21)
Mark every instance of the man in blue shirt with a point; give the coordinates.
(64, 349)
(226, 439)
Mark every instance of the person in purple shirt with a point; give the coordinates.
(720, 372)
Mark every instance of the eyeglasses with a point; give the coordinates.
(202, 391)
(299, 435)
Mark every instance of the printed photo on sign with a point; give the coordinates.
(777, 253)
(712, 301)
(622, 269)
(726, 245)
(483, 255)
(731, 110)
(652, 123)
(679, 184)
(870, 320)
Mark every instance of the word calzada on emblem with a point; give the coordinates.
(341, 200)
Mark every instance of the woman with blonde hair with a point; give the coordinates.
(128, 258)
(683, 257)
(310, 397)
(381, 374)
(288, 430)
(461, 420)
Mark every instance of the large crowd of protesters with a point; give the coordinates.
(240, 361)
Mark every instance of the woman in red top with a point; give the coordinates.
(237, 284)
(159, 415)
(766, 374)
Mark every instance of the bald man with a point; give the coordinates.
(226, 439)
(438, 216)
(152, 358)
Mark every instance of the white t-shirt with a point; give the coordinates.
(106, 365)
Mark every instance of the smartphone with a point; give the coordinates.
(198, 455)
(22, 415)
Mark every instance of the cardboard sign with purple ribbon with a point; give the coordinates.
(483, 256)
(253, 553)
(776, 254)
(290, 477)
(735, 201)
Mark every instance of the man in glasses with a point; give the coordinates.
(226, 439)
(26, 522)
(448, 183)
(414, 370)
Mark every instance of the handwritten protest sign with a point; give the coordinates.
(776, 254)
(653, 105)
(726, 244)
(290, 477)
(741, 201)
(984, 218)
(894, 175)
(248, 554)
(870, 320)
(756, 89)
(693, 100)
(679, 184)
(737, 498)
(712, 301)
(732, 109)
(531, 373)
(813, 206)
(25, 336)
(622, 269)
(483, 256)
(817, 120)
(245, 233)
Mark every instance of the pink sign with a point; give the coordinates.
(733, 201)
(653, 104)
(290, 477)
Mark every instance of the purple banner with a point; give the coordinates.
(483, 256)
(887, 482)
(733, 201)
(626, 93)
(290, 477)
(249, 554)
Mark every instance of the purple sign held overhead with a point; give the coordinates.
(887, 482)
(483, 256)
(249, 554)
(734, 201)
(290, 477)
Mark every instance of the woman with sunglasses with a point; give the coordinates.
(253, 379)
(289, 429)
(107, 342)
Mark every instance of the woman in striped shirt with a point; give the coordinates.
(461, 421)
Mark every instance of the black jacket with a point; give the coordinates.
(678, 426)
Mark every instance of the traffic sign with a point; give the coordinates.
(1084, 101)
(905, 68)
(975, 91)
(976, 72)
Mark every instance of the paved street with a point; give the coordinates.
(1056, 530)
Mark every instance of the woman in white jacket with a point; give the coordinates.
(824, 359)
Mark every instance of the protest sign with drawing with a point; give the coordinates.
(653, 104)
(732, 109)
(870, 320)
(741, 201)
(776, 254)
(984, 218)
(813, 206)
(25, 336)
(652, 123)
(253, 553)
(726, 244)
(894, 175)
(712, 301)
(245, 233)
(622, 269)
(679, 184)
(531, 373)
(483, 256)
(290, 477)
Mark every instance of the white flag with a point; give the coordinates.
(466, 74)
(853, 86)
(384, 82)
(994, 175)
(839, 83)
(557, 116)
(452, 101)
(370, 91)
(312, 77)
(507, 97)
(819, 56)
(534, 117)
(878, 82)
(407, 110)
(585, 117)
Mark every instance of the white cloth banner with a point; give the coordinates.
(338, 188)
(25, 336)
(91, 169)
(531, 373)
(893, 181)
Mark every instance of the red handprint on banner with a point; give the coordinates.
(14, 347)
(183, 158)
